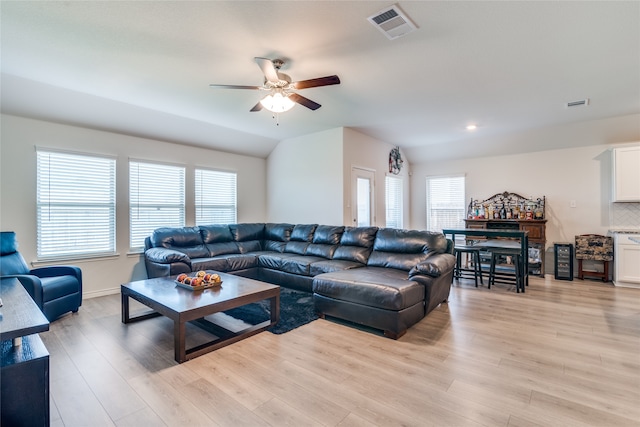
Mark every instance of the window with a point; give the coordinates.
(76, 205)
(364, 202)
(393, 199)
(215, 197)
(156, 199)
(445, 202)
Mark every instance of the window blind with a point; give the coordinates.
(445, 202)
(216, 201)
(76, 205)
(156, 199)
(393, 201)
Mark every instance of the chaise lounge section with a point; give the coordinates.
(382, 278)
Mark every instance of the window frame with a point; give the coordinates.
(198, 189)
(137, 231)
(461, 209)
(78, 195)
(399, 203)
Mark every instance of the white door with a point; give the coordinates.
(362, 201)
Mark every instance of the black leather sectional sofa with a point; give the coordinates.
(384, 278)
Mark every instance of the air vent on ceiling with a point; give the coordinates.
(392, 22)
(578, 103)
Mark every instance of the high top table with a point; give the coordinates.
(493, 237)
(24, 372)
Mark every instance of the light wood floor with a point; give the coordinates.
(563, 354)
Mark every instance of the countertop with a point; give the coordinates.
(624, 230)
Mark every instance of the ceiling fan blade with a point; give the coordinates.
(321, 81)
(256, 107)
(269, 71)
(235, 87)
(304, 101)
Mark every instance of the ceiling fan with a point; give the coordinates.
(281, 96)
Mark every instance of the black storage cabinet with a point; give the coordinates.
(563, 261)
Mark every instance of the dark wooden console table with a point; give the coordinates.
(536, 229)
(24, 359)
(521, 236)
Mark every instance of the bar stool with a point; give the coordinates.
(460, 272)
(518, 265)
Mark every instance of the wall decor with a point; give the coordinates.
(395, 161)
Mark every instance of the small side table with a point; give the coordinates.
(594, 247)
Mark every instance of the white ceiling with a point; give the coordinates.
(143, 68)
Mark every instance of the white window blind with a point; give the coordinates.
(445, 202)
(76, 205)
(393, 199)
(156, 199)
(215, 197)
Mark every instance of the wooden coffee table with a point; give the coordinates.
(181, 305)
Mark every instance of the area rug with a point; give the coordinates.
(296, 309)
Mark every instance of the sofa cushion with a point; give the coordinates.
(322, 250)
(273, 260)
(278, 232)
(329, 265)
(356, 244)
(216, 249)
(384, 288)
(359, 236)
(303, 232)
(166, 256)
(301, 235)
(9, 243)
(433, 266)
(183, 239)
(400, 261)
(247, 231)
(299, 248)
(241, 261)
(403, 249)
(409, 241)
(276, 236)
(328, 235)
(299, 264)
(58, 287)
(400, 241)
(218, 263)
(215, 233)
(249, 246)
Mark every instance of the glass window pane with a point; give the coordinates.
(156, 199)
(364, 202)
(445, 202)
(76, 205)
(216, 201)
(393, 202)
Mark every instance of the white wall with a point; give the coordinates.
(363, 151)
(20, 136)
(582, 175)
(304, 178)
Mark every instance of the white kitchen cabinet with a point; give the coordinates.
(627, 260)
(626, 174)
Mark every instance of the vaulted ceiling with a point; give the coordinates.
(143, 68)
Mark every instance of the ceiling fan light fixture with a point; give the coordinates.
(277, 102)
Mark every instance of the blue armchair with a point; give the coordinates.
(56, 289)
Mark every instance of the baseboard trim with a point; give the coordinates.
(100, 293)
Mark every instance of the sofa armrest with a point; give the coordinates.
(434, 266)
(58, 270)
(166, 256)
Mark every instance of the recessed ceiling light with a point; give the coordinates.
(472, 127)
